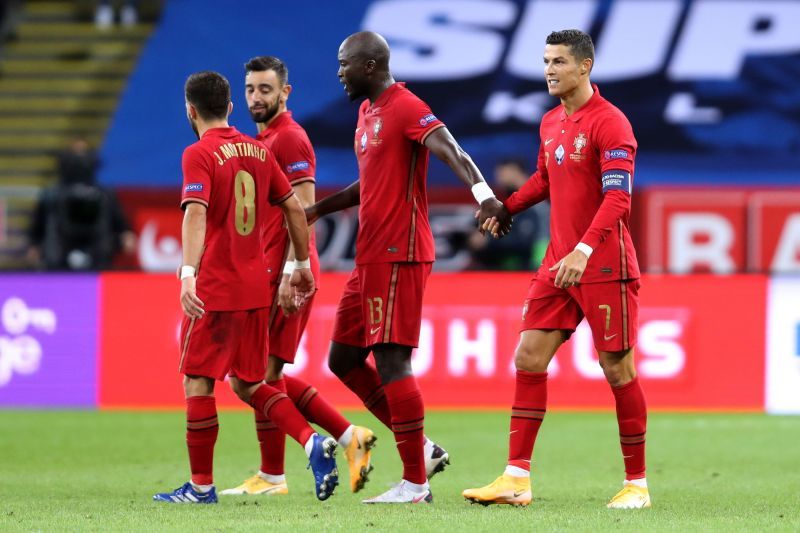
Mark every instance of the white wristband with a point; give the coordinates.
(187, 271)
(304, 264)
(481, 191)
(288, 268)
(585, 248)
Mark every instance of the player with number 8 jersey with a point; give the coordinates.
(228, 181)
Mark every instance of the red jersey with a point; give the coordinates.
(392, 169)
(237, 178)
(585, 167)
(295, 155)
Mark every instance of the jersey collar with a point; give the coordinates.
(387, 94)
(585, 108)
(230, 131)
(275, 125)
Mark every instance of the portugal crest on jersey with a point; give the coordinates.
(376, 129)
(363, 141)
(579, 143)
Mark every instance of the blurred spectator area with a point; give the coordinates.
(60, 77)
(712, 191)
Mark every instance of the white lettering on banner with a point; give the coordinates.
(682, 108)
(422, 358)
(502, 106)
(454, 39)
(584, 356)
(660, 341)
(783, 347)
(757, 27)
(787, 253)
(22, 353)
(158, 255)
(17, 317)
(648, 24)
(435, 37)
(461, 349)
(525, 53)
(685, 253)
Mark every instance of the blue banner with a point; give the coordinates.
(710, 87)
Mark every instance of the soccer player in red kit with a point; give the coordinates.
(585, 167)
(380, 310)
(228, 181)
(266, 90)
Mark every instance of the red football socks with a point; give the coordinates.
(632, 419)
(527, 413)
(366, 384)
(271, 440)
(314, 407)
(202, 428)
(278, 408)
(408, 418)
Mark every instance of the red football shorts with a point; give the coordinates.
(611, 308)
(382, 303)
(226, 343)
(285, 332)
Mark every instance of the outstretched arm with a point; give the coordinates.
(350, 196)
(446, 148)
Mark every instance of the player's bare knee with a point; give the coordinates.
(342, 359)
(274, 368)
(197, 386)
(240, 388)
(531, 359)
(617, 368)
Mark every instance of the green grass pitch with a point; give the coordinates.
(96, 471)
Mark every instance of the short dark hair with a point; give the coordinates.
(580, 43)
(264, 63)
(210, 93)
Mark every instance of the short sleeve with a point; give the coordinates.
(418, 119)
(279, 188)
(617, 151)
(295, 155)
(196, 177)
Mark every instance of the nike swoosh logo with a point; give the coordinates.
(373, 331)
(609, 337)
(548, 141)
(419, 498)
(512, 432)
(517, 494)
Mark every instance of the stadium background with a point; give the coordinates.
(716, 212)
(714, 105)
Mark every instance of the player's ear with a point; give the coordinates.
(191, 111)
(287, 90)
(230, 107)
(586, 66)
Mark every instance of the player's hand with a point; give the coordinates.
(311, 214)
(191, 304)
(493, 210)
(570, 269)
(302, 281)
(287, 296)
